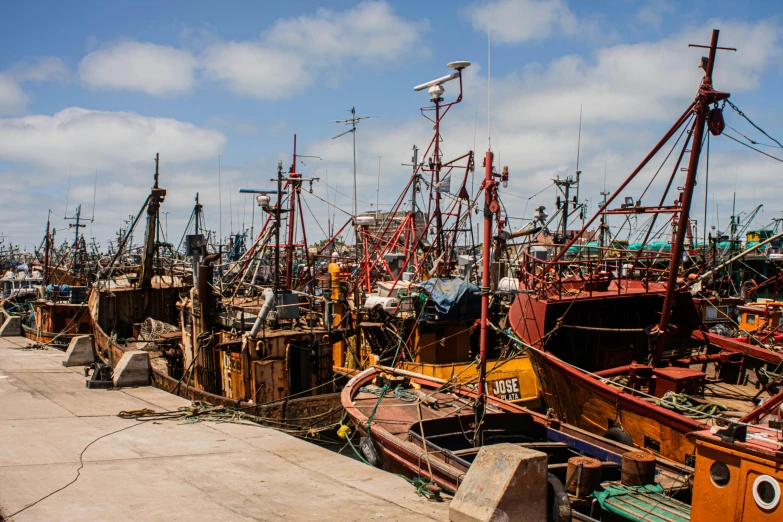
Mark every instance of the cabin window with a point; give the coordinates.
(766, 492)
(750, 318)
(652, 444)
(720, 474)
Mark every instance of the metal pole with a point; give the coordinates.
(489, 197)
(687, 196)
(438, 217)
(293, 185)
(46, 252)
(277, 226)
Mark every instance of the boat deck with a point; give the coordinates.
(167, 469)
(738, 399)
(396, 415)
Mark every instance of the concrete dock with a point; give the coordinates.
(169, 469)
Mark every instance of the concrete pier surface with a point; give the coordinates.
(169, 469)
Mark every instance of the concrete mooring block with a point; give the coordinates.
(12, 326)
(504, 483)
(133, 370)
(80, 351)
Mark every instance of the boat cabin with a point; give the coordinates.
(761, 315)
(11, 287)
(738, 475)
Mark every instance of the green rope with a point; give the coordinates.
(375, 409)
(422, 486)
(399, 393)
(681, 403)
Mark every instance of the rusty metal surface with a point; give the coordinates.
(307, 412)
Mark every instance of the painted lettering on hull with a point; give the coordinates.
(506, 389)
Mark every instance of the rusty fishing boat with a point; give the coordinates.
(617, 344)
(415, 298)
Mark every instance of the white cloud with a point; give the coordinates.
(652, 13)
(517, 21)
(121, 147)
(370, 31)
(158, 70)
(634, 82)
(104, 140)
(289, 56)
(281, 62)
(255, 70)
(12, 97)
(43, 69)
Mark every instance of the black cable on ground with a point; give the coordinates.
(78, 470)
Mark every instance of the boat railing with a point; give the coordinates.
(603, 270)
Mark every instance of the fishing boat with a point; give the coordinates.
(49, 294)
(426, 429)
(618, 345)
(417, 301)
(213, 334)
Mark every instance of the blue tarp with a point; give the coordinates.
(454, 298)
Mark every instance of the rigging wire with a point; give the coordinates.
(752, 148)
(738, 111)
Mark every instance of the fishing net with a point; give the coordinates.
(151, 329)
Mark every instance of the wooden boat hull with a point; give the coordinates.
(511, 380)
(405, 454)
(55, 340)
(57, 323)
(318, 411)
(592, 405)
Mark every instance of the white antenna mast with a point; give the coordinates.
(489, 74)
(220, 203)
(94, 192)
(68, 195)
(378, 188)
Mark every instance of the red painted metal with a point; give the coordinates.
(489, 201)
(682, 119)
(706, 96)
(292, 196)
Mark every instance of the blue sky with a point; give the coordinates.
(105, 85)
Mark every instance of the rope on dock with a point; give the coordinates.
(199, 412)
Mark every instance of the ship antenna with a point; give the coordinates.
(579, 172)
(579, 139)
(378, 188)
(220, 206)
(489, 89)
(94, 192)
(68, 195)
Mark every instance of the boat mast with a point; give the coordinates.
(47, 247)
(157, 196)
(706, 96)
(291, 214)
(491, 207)
(436, 184)
(277, 227)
